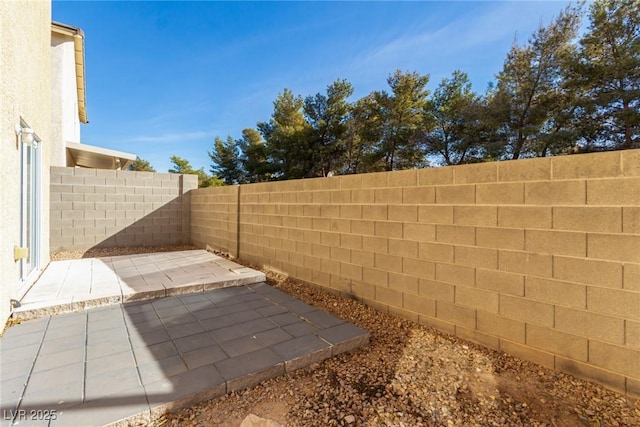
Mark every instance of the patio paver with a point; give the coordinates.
(72, 285)
(132, 361)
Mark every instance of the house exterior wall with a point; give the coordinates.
(107, 208)
(539, 258)
(64, 98)
(25, 87)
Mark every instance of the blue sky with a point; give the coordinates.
(165, 78)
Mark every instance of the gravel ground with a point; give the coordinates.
(409, 375)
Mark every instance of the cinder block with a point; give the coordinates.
(614, 302)
(456, 234)
(440, 325)
(405, 314)
(419, 268)
(525, 170)
(630, 162)
(341, 225)
(496, 325)
(72, 179)
(504, 193)
(438, 291)
(631, 334)
(435, 214)
(339, 196)
(500, 281)
(319, 251)
(435, 252)
(419, 232)
(363, 228)
(350, 241)
(593, 165)
(614, 192)
(404, 283)
(71, 197)
(631, 220)
(403, 248)
(389, 263)
(306, 197)
(351, 181)
(500, 238)
(375, 277)
(584, 270)
(435, 176)
(462, 316)
(555, 193)
(526, 352)
(419, 195)
(351, 211)
(631, 277)
(323, 224)
(341, 254)
(456, 194)
(315, 184)
(374, 212)
(615, 247)
(389, 296)
(403, 213)
(378, 245)
(526, 310)
(421, 305)
(388, 195)
(525, 217)
(388, 229)
(328, 211)
(455, 274)
(556, 242)
(405, 178)
(375, 180)
(362, 290)
(590, 325)
(591, 373)
(351, 271)
(475, 173)
(365, 195)
(483, 339)
(310, 262)
(556, 292)
(633, 387)
(588, 218)
(476, 298)
(307, 210)
(475, 215)
(622, 360)
(362, 258)
(526, 263)
(472, 256)
(558, 342)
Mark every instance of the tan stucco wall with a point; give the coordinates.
(25, 88)
(539, 258)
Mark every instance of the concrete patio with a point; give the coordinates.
(78, 284)
(128, 362)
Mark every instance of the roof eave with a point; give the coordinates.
(78, 47)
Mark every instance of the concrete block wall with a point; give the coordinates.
(107, 208)
(539, 258)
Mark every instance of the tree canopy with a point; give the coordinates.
(557, 93)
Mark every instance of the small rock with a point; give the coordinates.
(350, 419)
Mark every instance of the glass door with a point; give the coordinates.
(30, 205)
